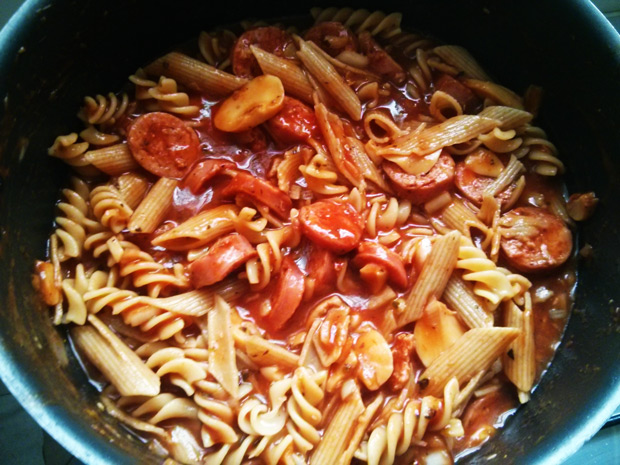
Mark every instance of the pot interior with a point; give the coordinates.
(52, 54)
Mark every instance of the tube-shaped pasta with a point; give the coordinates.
(222, 361)
(195, 74)
(453, 131)
(200, 229)
(519, 361)
(132, 187)
(154, 207)
(115, 360)
(433, 278)
(476, 350)
(329, 78)
(495, 92)
(462, 60)
(506, 177)
(335, 438)
(112, 160)
(508, 117)
(192, 303)
(333, 131)
(293, 79)
(266, 353)
(464, 302)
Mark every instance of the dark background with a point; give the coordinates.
(22, 441)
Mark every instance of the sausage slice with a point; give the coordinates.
(422, 188)
(271, 39)
(472, 185)
(287, 295)
(163, 145)
(534, 240)
(334, 225)
(224, 256)
(295, 123)
(333, 37)
(204, 171)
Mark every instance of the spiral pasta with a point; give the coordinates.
(490, 282)
(106, 243)
(216, 418)
(376, 22)
(157, 323)
(215, 47)
(386, 214)
(302, 406)
(74, 289)
(182, 370)
(159, 408)
(169, 99)
(109, 207)
(102, 110)
(258, 271)
(145, 271)
(73, 152)
(321, 176)
(74, 221)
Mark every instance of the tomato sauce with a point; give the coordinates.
(336, 255)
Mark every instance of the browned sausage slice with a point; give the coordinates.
(320, 268)
(422, 188)
(372, 252)
(332, 37)
(163, 144)
(287, 295)
(224, 256)
(379, 60)
(260, 190)
(472, 185)
(535, 240)
(271, 39)
(334, 225)
(466, 98)
(295, 123)
(204, 171)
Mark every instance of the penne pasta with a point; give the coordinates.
(194, 74)
(153, 208)
(519, 360)
(433, 278)
(507, 117)
(476, 350)
(507, 176)
(453, 131)
(461, 60)
(129, 375)
(199, 230)
(112, 160)
(192, 303)
(265, 353)
(292, 76)
(498, 94)
(222, 361)
(460, 298)
(337, 434)
(329, 78)
(333, 131)
(132, 187)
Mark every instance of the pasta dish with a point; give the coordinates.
(328, 243)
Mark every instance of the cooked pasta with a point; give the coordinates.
(312, 245)
(103, 110)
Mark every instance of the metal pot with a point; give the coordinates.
(53, 52)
